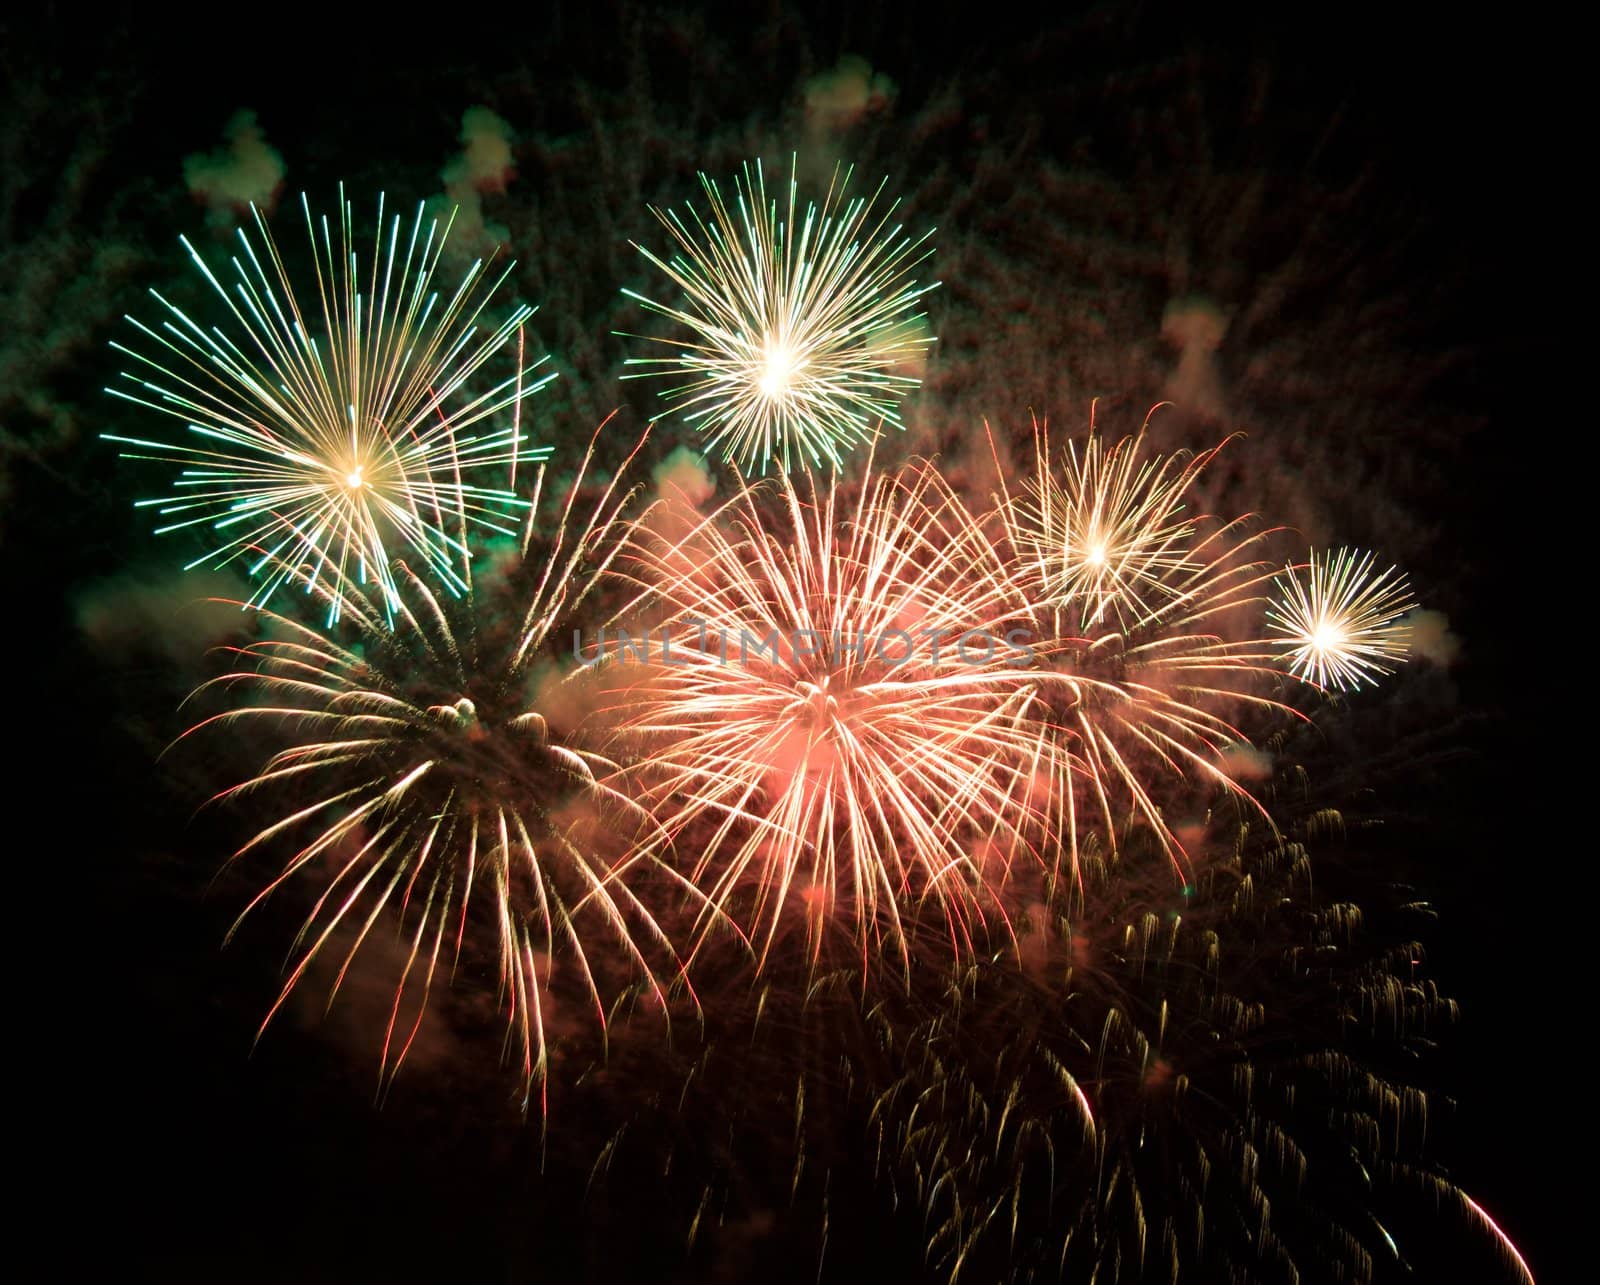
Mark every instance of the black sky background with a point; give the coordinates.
(156, 1145)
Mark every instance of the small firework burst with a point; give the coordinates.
(315, 460)
(435, 787)
(1342, 625)
(801, 322)
(834, 726)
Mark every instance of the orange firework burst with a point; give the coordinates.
(438, 788)
(829, 718)
(1144, 618)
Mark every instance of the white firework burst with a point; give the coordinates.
(1342, 624)
(802, 330)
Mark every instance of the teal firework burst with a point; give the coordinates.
(323, 438)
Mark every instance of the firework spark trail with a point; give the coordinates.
(423, 772)
(801, 322)
(1207, 1082)
(1344, 624)
(1147, 1116)
(1179, 1082)
(312, 457)
(1143, 621)
(865, 756)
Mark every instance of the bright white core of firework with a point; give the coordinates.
(780, 370)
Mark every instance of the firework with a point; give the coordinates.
(833, 727)
(801, 322)
(1181, 1083)
(1145, 618)
(433, 789)
(1106, 536)
(1343, 624)
(308, 458)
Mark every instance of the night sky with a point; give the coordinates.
(1354, 197)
